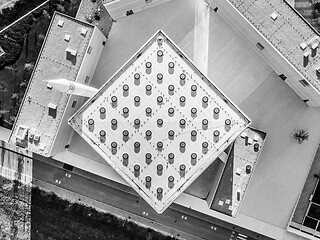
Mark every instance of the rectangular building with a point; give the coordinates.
(71, 50)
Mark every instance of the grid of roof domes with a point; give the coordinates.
(158, 123)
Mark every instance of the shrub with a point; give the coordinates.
(89, 18)
(96, 15)
(300, 135)
(29, 67)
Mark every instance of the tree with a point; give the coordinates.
(300, 135)
(28, 67)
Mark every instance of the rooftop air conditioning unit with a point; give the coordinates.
(84, 32)
(60, 23)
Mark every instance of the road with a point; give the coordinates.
(125, 198)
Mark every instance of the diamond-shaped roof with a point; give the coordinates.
(159, 122)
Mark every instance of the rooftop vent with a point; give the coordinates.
(71, 55)
(71, 51)
(303, 45)
(84, 32)
(314, 47)
(36, 137)
(160, 40)
(52, 110)
(274, 15)
(60, 23)
(67, 37)
(31, 135)
(41, 146)
(306, 58)
(312, 40)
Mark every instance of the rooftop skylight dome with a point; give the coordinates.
(159, 122)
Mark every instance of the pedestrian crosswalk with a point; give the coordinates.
(238, 236)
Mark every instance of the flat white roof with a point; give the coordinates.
(158, 78)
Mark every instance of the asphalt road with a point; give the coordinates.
(125, 198)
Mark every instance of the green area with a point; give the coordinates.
(56, 218)
(22, 43)
(10, 14)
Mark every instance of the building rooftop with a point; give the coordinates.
(159, 122)
(287, 31)
(42, 109)
(242, 160)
